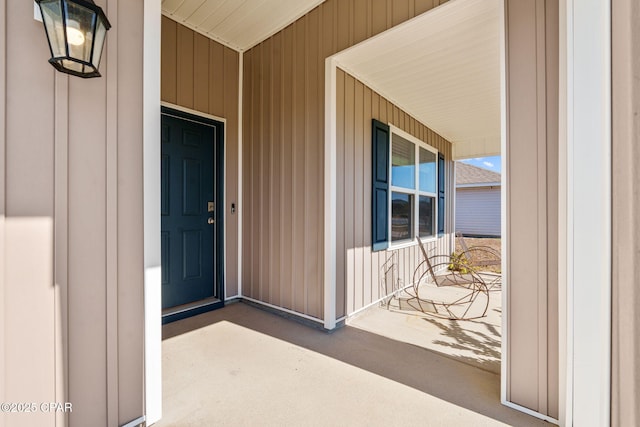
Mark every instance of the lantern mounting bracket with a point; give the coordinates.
(37, 16)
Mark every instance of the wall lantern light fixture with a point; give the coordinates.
(76, 30)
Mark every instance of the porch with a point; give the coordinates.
(245, 366)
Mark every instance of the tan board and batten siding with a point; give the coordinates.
(283, 147)
(625, 372)
(71, 225)
(532, 204)
(202, 75)
(363, 276)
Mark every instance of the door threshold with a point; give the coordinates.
(183, 311)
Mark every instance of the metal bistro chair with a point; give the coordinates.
(442, 288)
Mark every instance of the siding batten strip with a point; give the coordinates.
(61, 238)
(111, 226)
(542, 217)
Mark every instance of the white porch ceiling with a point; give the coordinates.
(239, 24)
(442, 67)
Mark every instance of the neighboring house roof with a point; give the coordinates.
(472, 176)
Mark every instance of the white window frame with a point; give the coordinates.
(415, 192)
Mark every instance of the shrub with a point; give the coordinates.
(459, 263)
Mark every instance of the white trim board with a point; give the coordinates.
(330, 193)
(152, 202)
(239, 202)
(504, 351)
(530, 412)
(564, 392)
(479, 185)
(135, 423)
(585, 227)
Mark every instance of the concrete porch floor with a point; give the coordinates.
(476, 342)
(243, 366)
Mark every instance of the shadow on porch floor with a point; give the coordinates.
(476, 342)
(242, 366)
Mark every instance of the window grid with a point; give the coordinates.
(415, 192)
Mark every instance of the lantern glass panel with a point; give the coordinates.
(80, 21)
(75, 66)
(52, 17)
(101, 33)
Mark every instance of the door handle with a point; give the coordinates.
(211, 221)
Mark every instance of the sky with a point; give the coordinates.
(492, 163)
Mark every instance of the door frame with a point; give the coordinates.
(219, 198)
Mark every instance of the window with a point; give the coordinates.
(413, 188)
(408, 188)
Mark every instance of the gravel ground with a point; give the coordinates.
(494, 243)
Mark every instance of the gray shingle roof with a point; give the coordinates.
(469, 174)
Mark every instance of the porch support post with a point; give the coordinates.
(330, 194)
(585, 220)
(530, 123)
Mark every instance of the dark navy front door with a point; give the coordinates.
(189, 210)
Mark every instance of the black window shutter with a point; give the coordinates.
(441, 187)
(380, 190)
